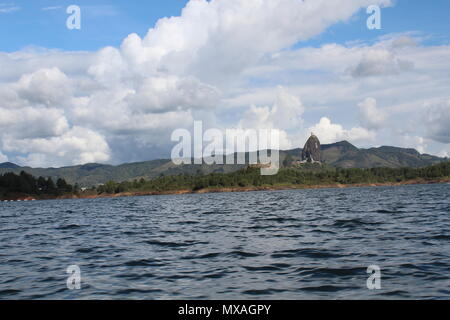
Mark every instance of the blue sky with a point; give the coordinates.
(428, 17)
(104, 22)
(113, 92)
(108, 22)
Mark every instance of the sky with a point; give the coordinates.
(114, 90)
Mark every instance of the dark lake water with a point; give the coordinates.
(299, 244)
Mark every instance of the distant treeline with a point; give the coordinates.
(25, 183)
(306, 175)
(303, 176)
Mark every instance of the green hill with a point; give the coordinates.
(345, 155)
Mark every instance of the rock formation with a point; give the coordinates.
(312, 152)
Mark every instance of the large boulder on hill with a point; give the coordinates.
(312, 152)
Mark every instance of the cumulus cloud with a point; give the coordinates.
(44, 87)
(32, 122)
(370, 116)
(389, 55)
(321, 77)
(445, 153)
(411, 140)
(48, 87)
(379, 62)
(217, 39)
(159, 94)
(285, 115)
(438, 122)
(3, 158)
(402, 41)
(330, 132)
(78, 145)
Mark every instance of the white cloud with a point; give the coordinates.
(445, 153)
(32, 123)
(376, 62)
(320, 76)
(438, 122)
(159, 94)
(370, 116)
(78, 145)
(217, 40)
(3, 158)
(411, 140)
(49, 87)
(330, 132)
(286, 113)
(402, 41)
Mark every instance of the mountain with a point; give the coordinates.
(93, 174)
(341, 154)
(8, 165)
(345, 155)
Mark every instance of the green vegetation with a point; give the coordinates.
(12, 185)
(303, 176)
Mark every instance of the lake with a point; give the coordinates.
(295, 244)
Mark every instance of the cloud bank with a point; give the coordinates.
(230, 63)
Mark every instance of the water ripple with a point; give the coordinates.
(296, 244)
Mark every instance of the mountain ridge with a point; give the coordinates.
(341, 154)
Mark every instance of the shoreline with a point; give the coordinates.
(230, 189)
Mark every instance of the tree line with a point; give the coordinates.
(251, 177)
(25, 183)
